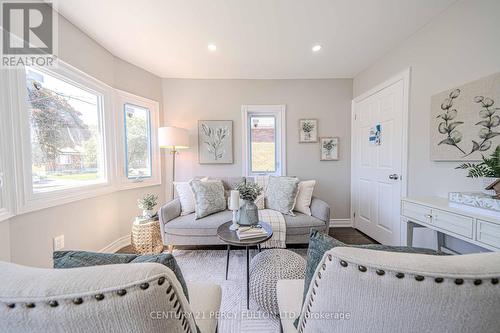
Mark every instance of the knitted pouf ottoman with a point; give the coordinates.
(267, 268)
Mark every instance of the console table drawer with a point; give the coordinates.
(488, 233)
(458, 224)
(417, 212)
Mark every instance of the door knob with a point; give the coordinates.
(394, 176)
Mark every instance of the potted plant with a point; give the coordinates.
(147, 203)
(488, 170)
(248, 213)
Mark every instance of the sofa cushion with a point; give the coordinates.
(75, 259)
(189, 226)
(301, 224)
(209, 197)
(281, 193)
(289, 294)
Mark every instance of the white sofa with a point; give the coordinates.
(373, 291)
(142, 297)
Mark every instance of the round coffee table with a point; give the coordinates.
(230, 238)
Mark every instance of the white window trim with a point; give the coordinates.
(280, 112)
(122, 98)
(22, 198)
(6, 163)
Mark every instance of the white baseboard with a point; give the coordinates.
(340, 223)
(116, 245)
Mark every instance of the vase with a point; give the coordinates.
(148, 213)
(248, 213)
(487, 181)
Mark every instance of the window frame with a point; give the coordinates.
(121, 99)
(27, 199)
(6, 164)
(279, 113)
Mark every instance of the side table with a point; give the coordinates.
(230, 238)
(146, 237)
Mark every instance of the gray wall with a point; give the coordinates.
(88, 224)
(458, 46)
(187, 101)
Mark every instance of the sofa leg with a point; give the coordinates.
(170, 249)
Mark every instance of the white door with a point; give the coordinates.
(378, 168)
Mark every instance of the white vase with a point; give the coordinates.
(147, 213)
(487, 181)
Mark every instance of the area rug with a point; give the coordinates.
(210, 266)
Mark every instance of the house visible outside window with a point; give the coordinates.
(66, 133)
(263, 144)
(138, 141)
(264, 140)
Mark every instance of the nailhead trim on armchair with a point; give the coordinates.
(328, 258)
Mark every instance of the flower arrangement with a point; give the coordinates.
(308, 126)
(328, 145)
(489, 167)
(249, 191)
(148, 202)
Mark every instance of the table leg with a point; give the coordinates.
(227, 259)
(409, 233)
(248, 279)
(440, 240)
(258, 247)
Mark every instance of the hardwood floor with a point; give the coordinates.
(347, 235)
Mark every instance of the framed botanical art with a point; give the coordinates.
(329, 148)
(308, 130)
(215, 141)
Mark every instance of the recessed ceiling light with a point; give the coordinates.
(212, 47)
(316, 48)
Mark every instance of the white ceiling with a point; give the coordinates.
(254, 38)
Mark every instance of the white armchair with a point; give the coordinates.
(359, 290)
(144, 297)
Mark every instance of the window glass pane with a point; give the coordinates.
(138, 141)
(66, 138)
(263, 141)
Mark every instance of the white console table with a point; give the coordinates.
(435, 213)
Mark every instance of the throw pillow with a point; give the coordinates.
(208, 196)
(281, 193)
(74, 259)
(304, 197)
(320, 242)
(186, 197)
(262, 181)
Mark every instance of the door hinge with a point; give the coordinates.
(355, 117)
(354, 214)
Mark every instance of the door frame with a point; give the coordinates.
(401, 76)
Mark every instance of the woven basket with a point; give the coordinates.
(146, 238)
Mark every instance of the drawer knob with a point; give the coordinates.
(429, 216)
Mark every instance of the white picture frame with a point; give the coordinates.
(308, 130)
(329, 148)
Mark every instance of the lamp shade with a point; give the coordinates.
(173, 137)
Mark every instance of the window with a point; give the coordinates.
(65, 133)
(264, 140)
(71, 137)
(137, 134)
(138, 141)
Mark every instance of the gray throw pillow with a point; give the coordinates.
(281, 193)
(208, 196)
(74, 259)
(320, 242)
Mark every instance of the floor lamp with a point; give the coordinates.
(173, 138)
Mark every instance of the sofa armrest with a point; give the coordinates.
(168, 212)
(320, 210)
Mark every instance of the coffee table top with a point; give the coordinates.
(229, 236)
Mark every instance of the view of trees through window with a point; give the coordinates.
(263, 140)
(138, 134)
(66, 138)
